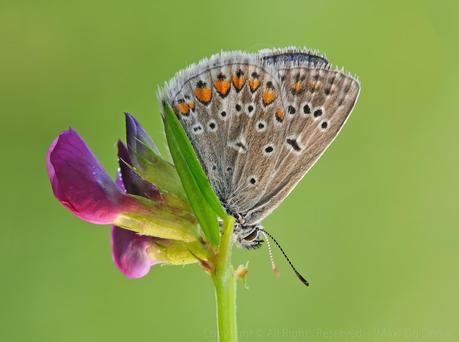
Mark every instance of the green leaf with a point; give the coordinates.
(203, 200)
(193, 163)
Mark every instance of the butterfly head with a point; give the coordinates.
(248, 236)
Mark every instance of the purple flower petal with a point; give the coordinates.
(129, 249)
(80, 183)
(138, 141)
(130, 252)
(133, 183)
(147, 162)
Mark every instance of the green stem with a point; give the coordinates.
(225, 285)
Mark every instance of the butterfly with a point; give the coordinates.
(258, 122)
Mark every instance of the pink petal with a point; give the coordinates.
(80, 182)
(130, 252)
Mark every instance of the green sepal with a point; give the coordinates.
(177, 252)
(162, 219)
(153, 168)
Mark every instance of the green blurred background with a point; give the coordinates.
(373, 225)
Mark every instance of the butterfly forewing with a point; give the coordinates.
(315, 115)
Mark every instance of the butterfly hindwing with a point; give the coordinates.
(216, 102)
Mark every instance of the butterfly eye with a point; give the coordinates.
(252, 236)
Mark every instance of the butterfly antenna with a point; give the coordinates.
(270, 252)
(298, 274)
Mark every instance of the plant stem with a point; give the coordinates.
(225, 285)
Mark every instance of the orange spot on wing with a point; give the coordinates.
(296, 88)
(280, 114)
(238, 82)
(254, 84)
(222, 87)
(203, 94)
(268, 96)
(313, 86)
(183, 108)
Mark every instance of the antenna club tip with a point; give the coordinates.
(302, 279)
(266, 234)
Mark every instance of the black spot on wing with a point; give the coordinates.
(294, 144)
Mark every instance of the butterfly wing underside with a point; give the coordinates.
(259, 122)
(317, 102)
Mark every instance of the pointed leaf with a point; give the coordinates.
(193, 163)
(204, 213)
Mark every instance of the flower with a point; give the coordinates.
(151, 219)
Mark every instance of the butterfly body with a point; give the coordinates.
(258, 122)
